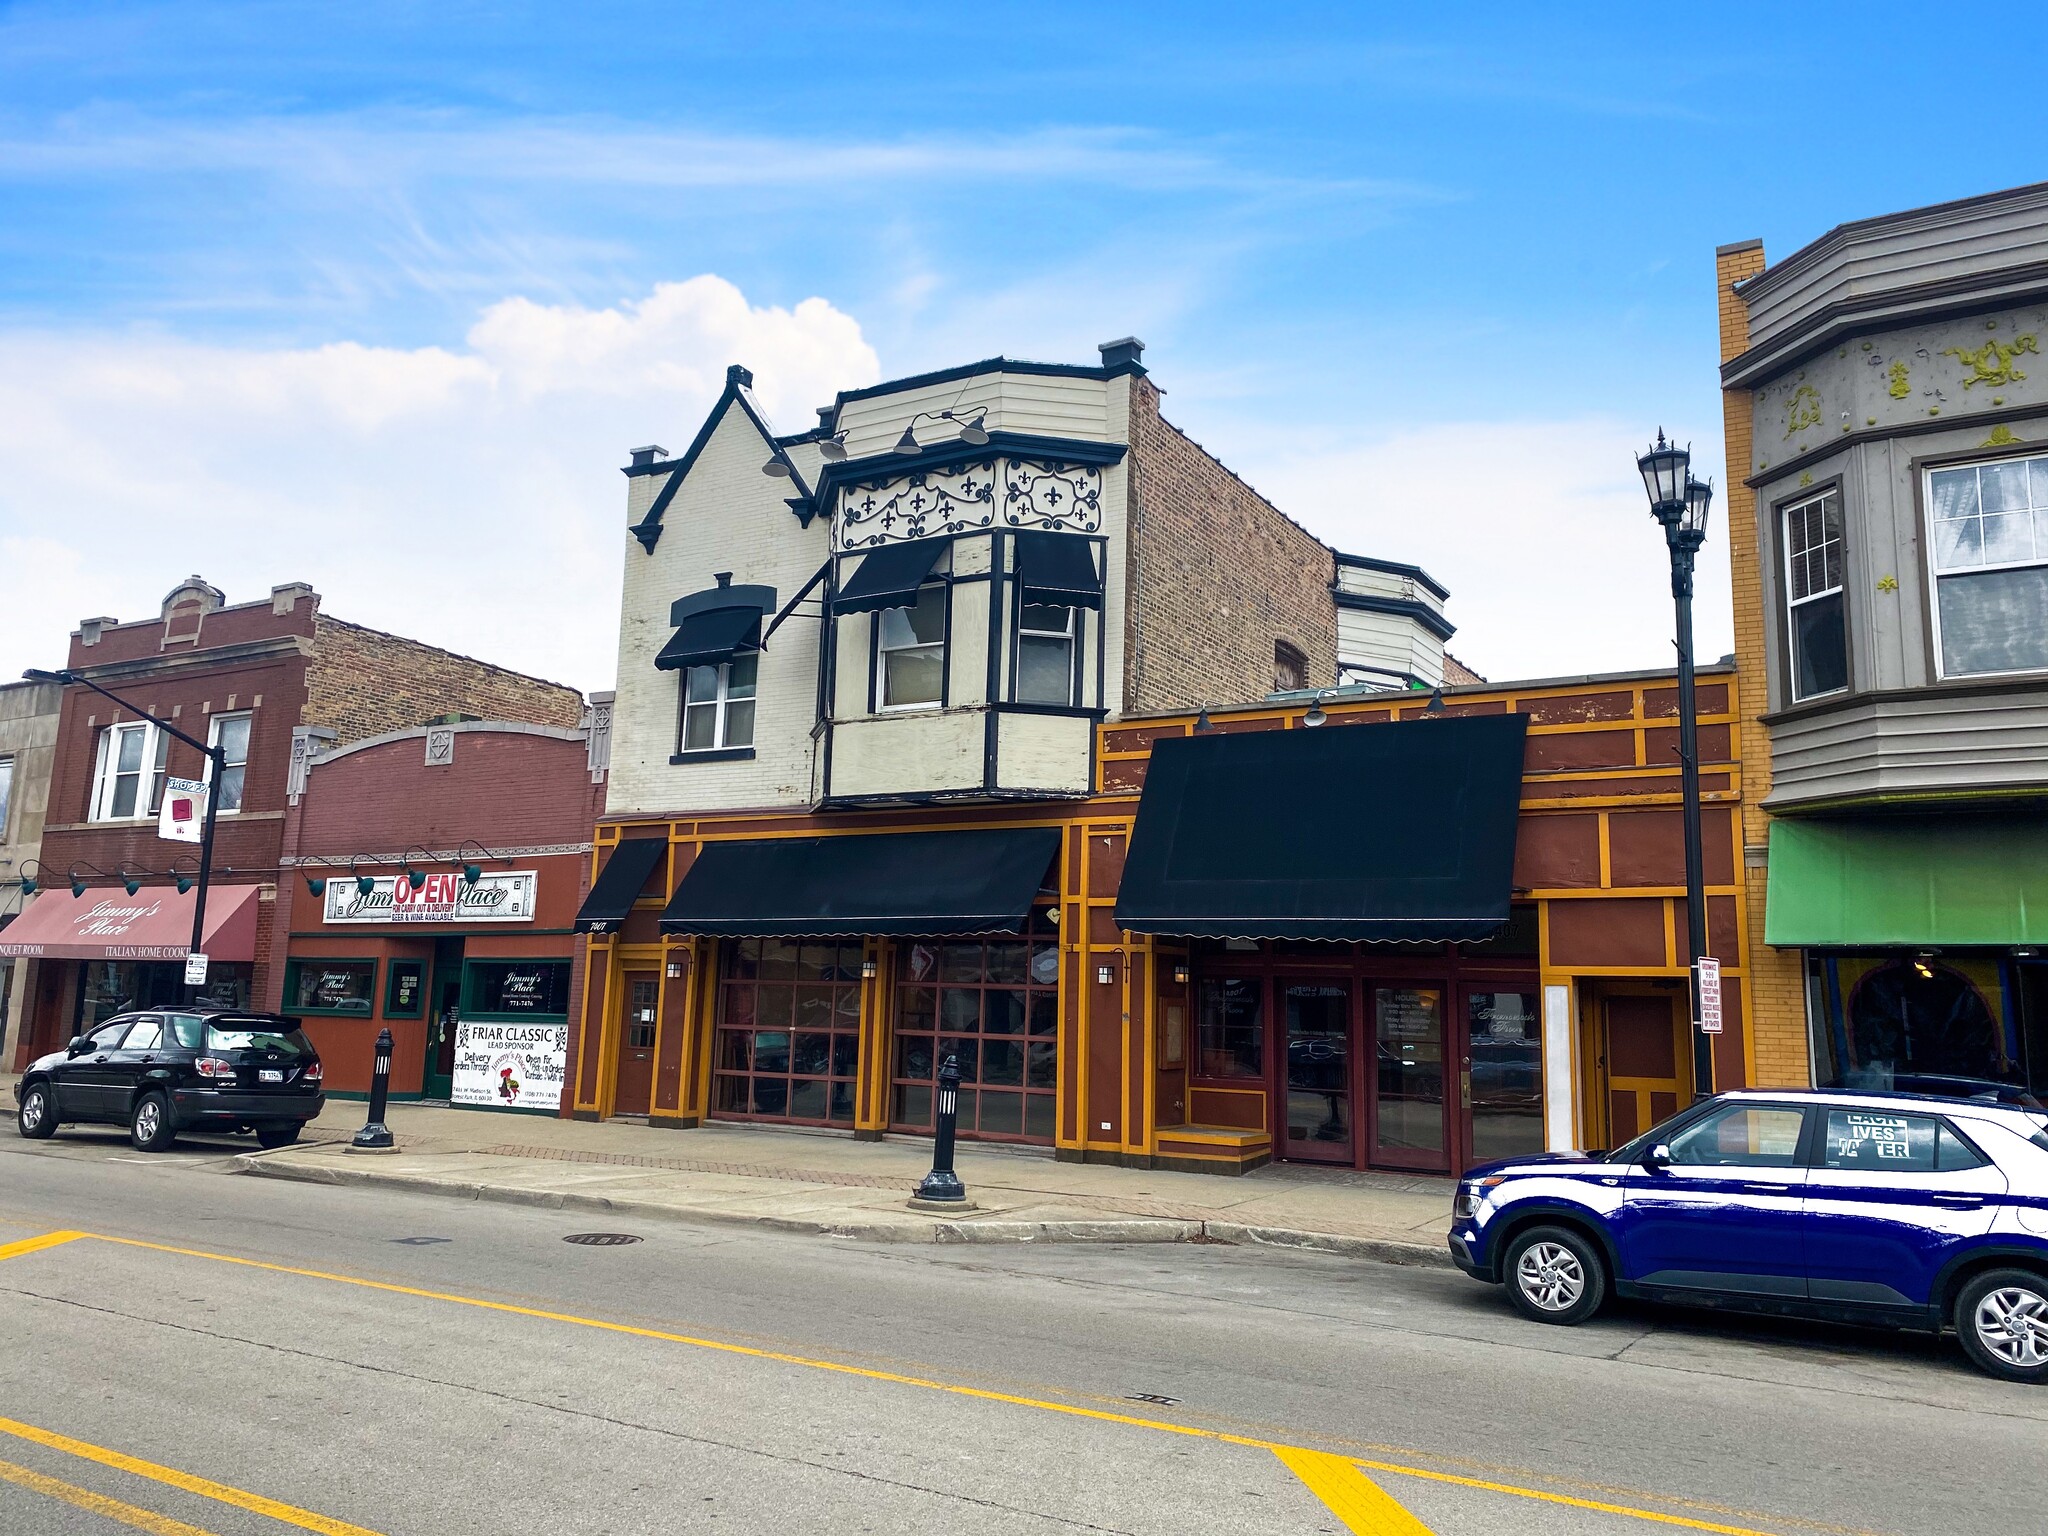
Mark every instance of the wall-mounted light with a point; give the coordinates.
(1315, 715)
(972, 431)
(1924, 963)
(1203, 724)
(471, 873)
(869, 970)
(316, 885)
(1105, 974)
(675, 969)
(365, 884)
(1180, 974)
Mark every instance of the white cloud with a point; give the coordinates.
(469, 497)
(1538, 528)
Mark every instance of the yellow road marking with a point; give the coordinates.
(1365, 1508)
(956, 1389)
(38, 1244)
(98, 1503)
(206, 1488)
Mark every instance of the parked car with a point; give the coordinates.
(1908, 1210)
(170, 1070)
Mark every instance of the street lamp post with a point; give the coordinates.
(1680, 504)
(216, 756)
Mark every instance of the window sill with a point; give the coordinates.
(714, 755)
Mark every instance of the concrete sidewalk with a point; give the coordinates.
(828, 1183)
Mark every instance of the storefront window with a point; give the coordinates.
(1505, 1038)
(1942, 1024)
(405, 989)
(518, 989)
(1229, 1031)
(993, 1006)
(114, 986)
(331, 986)
(788, 1030)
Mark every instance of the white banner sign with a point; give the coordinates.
(1710, 995)
(511, 1066)
(195, 970)
(182, 816)
(442, 898)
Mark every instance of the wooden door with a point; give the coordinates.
(634, 1091)
(1643, 1061)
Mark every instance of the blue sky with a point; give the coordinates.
(374, 295)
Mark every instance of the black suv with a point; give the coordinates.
(179, 1069)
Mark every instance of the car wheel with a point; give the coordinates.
(281, 1134)
(38, 1116)
(2002, 1319)
(1555, 1275)
(151, 1130)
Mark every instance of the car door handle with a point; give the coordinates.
(1761, 1188)
(98, 1059)
(1960, 1202)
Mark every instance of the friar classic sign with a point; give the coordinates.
(442, 898)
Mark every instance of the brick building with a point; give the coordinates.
(433, 877)
(28, 740)
(263, 679)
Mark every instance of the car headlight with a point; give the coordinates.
(1471, 1194)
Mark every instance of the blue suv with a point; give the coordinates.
(1898, 1209)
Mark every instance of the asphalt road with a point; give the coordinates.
(407, 1365)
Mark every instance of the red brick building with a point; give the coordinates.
(269, 680)
(433, 877)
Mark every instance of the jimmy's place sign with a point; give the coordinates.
(443, 898)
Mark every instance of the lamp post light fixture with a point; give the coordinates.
(1681, 504)
(216, 758)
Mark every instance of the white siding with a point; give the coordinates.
(919, 752)
(1047, 406)
(1045, 752)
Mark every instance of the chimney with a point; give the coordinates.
(653, 452)
(1124, 355)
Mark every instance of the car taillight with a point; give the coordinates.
(213, 1066)
(311, 1074)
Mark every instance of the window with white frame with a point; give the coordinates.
(1989, 551)
(1045, 654)
(1815, 626)
(910, 644)
(6, 793)
(718, 704)
(128, 776)
(230, 733)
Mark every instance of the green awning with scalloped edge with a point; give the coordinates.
(1936, 880)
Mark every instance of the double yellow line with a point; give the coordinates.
(1338, 1481)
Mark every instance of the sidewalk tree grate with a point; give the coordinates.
(600, 1239)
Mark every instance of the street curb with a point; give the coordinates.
(909, 1229)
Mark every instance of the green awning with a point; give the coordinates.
(1958, 879)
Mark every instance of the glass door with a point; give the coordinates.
(1409, 1120)
(1503, 1073)
(1317, 1126)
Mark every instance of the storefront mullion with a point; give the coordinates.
(992, 1005)
(788, 1043)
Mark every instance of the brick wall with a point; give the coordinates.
(1776, 985)
(363, 682)
(1216, 574)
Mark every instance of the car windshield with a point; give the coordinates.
(243, 1035)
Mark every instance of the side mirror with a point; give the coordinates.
(78, 1046)
(1658, 1158)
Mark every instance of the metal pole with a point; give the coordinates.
(942, 1183)
(217, 758)
(1684, 545)
(375, 1136)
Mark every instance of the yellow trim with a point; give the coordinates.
(1544, 1497)
(206, 1488)
(98, 1503)
(38, 1244)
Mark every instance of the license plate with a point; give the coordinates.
(269, 1075)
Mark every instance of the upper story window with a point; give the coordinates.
(718, 704)
(1045, 654)
(911, 646)
(230, 733)
(6, 793)
(1990, 555)
(1814, 622)
(128, 777)
(1290, 668)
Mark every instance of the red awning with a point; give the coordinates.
(153, 924)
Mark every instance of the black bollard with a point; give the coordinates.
(375, 1136)
(942, 1183)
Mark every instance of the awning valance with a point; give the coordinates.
(1908, 880)
(1403, 831)
(618, 884)
(889, 577)
(981, 881)
(154, 924)
(709, 638)
(1058, 568)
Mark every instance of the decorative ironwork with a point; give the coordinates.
(926, 503)
(1065, 498)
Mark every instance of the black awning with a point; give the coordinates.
(1402, 831)
(1058, 568)
(889, 577)
(619, 883)
(879, 883)
(706, 639)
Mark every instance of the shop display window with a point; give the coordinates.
(992, 1005)
(405, 989)
(1230, 1030)
(788, 1030)
(517, 989)
(331, 986)
(1948, 1023)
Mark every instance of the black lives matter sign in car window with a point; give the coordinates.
(1862, 1138)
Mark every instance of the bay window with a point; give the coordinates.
(718, 705)
(1989, 550)
(1815, 626)
(910, 646)
(128, 776)
(1045, 654)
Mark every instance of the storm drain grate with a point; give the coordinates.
(600, 1239)
(1154, 1398)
